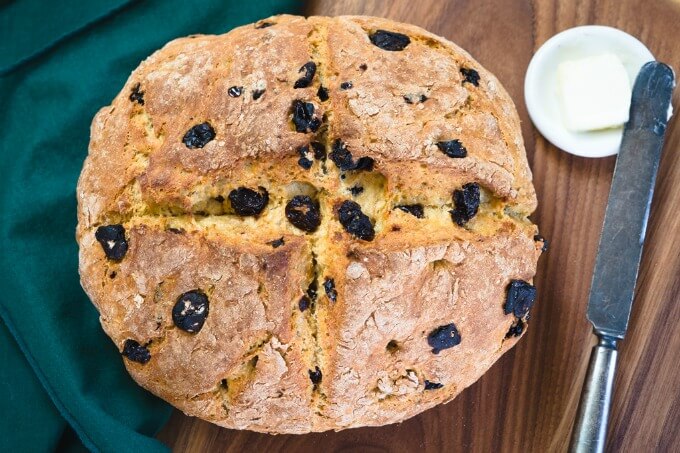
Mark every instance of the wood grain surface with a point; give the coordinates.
(527, 401)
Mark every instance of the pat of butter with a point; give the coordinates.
(595, 92)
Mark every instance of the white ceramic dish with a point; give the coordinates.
(540, 84)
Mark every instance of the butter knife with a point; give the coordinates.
(620, 249)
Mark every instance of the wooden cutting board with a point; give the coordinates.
(527, 401)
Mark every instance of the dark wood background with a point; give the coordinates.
(527, 401)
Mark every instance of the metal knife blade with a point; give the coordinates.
(630, 197)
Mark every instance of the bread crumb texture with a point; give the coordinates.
(308, 224)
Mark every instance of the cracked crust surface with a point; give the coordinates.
(248, 367)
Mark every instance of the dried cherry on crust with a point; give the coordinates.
(520, 298)
(429, 385)
(304, 213)
(329, 287)
(247, 202)
(466, 203)
(235, 91)
(452, 148)
(389, 40)
(322, 93)
(315, 375)
(319, 150)
(546, 243)
(443, 337)
(516, 329)
(136, 352)
(309, 70)
(470, 76)
(112, 240)
(364, 163)
(304, 161)
(136, 95)
(355, 222)
(191, 310)
(413, 209)
(304, 303)
(342, 158)
(303, 117)
(199, 135)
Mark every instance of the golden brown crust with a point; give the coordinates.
(248, 366)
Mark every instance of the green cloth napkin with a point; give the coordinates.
(63, 382)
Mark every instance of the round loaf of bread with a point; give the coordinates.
(309, 224)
